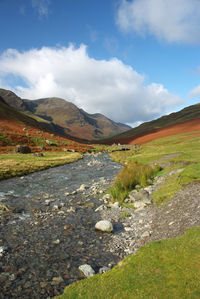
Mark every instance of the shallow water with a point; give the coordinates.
(44, 247)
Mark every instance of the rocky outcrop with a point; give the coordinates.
(22, 149)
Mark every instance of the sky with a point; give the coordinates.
(131, 60)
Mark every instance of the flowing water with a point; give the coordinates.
(50, 232)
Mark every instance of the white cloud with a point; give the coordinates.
(42, 7)
(169, 20)
(106, 86)
(195, 92)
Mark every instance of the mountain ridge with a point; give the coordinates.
(64, 117)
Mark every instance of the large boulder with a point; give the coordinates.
(22, 149)
(104, 226)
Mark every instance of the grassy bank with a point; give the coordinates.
(163, 269)
(174, 152)
(20, 164)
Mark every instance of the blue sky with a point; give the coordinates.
(130, 60)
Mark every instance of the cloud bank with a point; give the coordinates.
(173, 21)
(105, 86)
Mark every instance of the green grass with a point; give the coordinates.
(20, 164)
(131, 175)
(163, 269)
(187, 145)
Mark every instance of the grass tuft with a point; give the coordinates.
(131, 175)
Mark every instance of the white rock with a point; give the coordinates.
(47, 202)
(55, 208)
(56, 242)
(115, 205)
(101, 208)
(145, 235)
(128, 229)
(139, 205)
(82, 188)
(104, 226)
(86, 270)
(71, 209)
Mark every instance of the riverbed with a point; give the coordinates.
(50, 231)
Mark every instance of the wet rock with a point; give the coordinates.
(82, 188)
(58, 279)
(47, 202)
(5, 208)
(55, 208)
(103, 270)
(101, 208)
(86, 270)
(71, 210)
(104, 226)
(2, 250)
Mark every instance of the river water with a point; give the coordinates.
(50, 232)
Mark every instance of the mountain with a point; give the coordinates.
(19, 128)
(64, 117)
(186, 120)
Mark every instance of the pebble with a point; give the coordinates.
(103, 270)
(56, 241)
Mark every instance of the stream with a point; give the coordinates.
(50, 232)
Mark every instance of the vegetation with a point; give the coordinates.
(131, 175)
(20, 164)
(173, 152)
(163, 269)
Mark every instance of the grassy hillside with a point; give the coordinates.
(185, 115)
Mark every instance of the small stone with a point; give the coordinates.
(12, 277)
(56, 241)
(61, 213)
(58, 279)
(47, 202)
(103, 270)
(101, 208)
(128, 229)
(104, 226)
(66, 194)
(171, 223)
(66, 227)
(86, 270)
(145, 235)
(71, 210)
(55, 208)
(82, 188)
